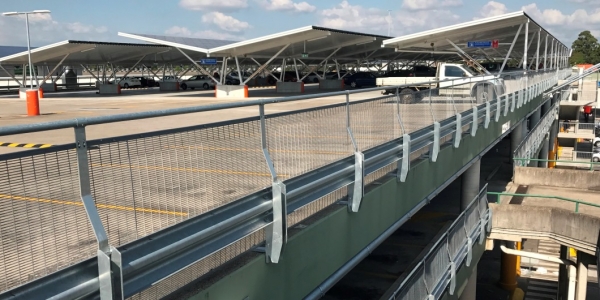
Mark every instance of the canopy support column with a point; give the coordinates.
(11, 75)
(266, 64)
(56, 67)
(198, 67)
(510, 49)
(237, 64)
(131, 69)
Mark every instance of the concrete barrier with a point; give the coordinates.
(331, 84)
(516, 222)
(231, 91)
(562, 178)
(23, 93)
(169, 86)
(109, 89)
(290, 87)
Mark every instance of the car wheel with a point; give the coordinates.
(126, 86)
(596, 159)
(484, 93)
(353, 84)
(205, 86)
(184, 86)
(406, 96)
(597, 144)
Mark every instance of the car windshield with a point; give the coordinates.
(467, 69)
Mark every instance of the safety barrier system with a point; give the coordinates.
(436, 272)
(116, 217)
(577, 127)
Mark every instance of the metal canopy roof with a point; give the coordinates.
(502, 28)
(10, 50)
(194, 44)
(320, 43)
(84, 52)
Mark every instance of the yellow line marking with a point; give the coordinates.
(45, 146)
(13, 145)
(107, 206)
(29, 145)
(259, 150)
(216, 171)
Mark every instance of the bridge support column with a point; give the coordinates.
(516, 137)
(544, 152)
(563, 275)
(470, 291)
(470, 184)
(535, 118)
(508, 269)
(582, 274)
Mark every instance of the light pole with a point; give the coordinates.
(14, 13)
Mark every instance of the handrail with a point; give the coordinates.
(591, 163)
(576, 201)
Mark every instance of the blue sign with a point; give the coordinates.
(208, 61)
(599, 84)
(482, 44)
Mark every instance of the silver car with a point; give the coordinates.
(198, 81)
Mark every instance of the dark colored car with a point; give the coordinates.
(360, 79)
(146, 81)
(288, 76)
(229, 80)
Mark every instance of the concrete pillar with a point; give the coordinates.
(535, 118)
(470, 184)
(516, 137)
(544, 153)
(582, 273)
(470, 291)
(508, 269)
(546, 107)
(563, 276)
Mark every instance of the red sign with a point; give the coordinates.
(495, 44)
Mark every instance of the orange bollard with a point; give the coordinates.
(41, 93)
(33, 103)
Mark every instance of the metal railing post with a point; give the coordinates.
(276, 232)
(357, 188)
(104, 250)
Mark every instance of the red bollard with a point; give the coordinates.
(33, 103)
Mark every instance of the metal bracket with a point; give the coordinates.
(506, 104)
(487, 115)
(405, 167)
(498, 106)
(435, 146)
(475, 121)
(104, 275)
(452, 286)
(513, 102)
(458, 131)
(276, 233)
(489, 223)
(482, 231)
(357, 188)
(469, 250)
(117, 273)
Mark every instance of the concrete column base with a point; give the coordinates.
(109, 89)
(290, 87)
(231, 91)
(48, 87)
(470, 184)
(470, 291)
(169, 86)
(331, 84)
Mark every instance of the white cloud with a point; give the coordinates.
(288, 5)
(586, 2)
(492, 9)
(356, 17)
(214, 5)
(565, 27)
(45, 30)
(204, 34)
(429, 4)
(225, 22)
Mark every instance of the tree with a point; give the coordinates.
(577, 58)
(587, 48)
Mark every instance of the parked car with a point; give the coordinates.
(288, 76)
(360, 79)
(167, 79)
(198, 81)
(234, 75)
(147, 81)
(230, 80)
(334, 75)
(127, 82)
(312, 77)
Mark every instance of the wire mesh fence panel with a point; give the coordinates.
(374, 122)
(299, 143)
(414, 113)
(436, 264)
(457, 237)
(43, 225)
(314, 207)
(471, 218)
(414, 288)
(145, 184)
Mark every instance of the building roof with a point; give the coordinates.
(10, 50)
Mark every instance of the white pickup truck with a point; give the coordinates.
(464, 84)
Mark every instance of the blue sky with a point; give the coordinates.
(243, 19)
